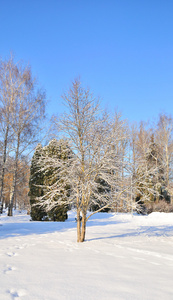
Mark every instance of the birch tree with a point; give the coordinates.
(28, 113)
(23, 110)
(6, 107)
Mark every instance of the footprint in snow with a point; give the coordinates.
(12, 254)
(9, 269)
(21, 246)
(16, 294)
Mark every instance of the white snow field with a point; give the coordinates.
(124, 257)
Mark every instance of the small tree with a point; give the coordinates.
(93, 137)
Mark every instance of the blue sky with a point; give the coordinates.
(121, 49)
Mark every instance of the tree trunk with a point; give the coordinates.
(78, 227)
(1, 206)
(3, 169)
(167, 167)
(83, 227)
(81, 230)
(10, 206)
(13, 192)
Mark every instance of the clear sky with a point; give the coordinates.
(121, 49)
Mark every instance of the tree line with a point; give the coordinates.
(99, 161)
(22, 110)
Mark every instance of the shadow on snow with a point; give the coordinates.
(15, 229)
(150, 231)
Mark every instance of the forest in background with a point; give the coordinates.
(131, 164)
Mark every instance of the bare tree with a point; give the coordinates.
(6, 107)
(23, 110)
(28, 113)
(146, 166)
(164, 138)
(94, 138)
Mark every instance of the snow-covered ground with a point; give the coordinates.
(124, 257)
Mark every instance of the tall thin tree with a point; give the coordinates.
(22, 106)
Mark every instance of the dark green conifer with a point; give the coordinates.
(35, 183)
(41, 180)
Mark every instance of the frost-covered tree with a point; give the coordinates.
(149, 175)
(43, 176)
(93, 137)
(164, 138)
(56, 150)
